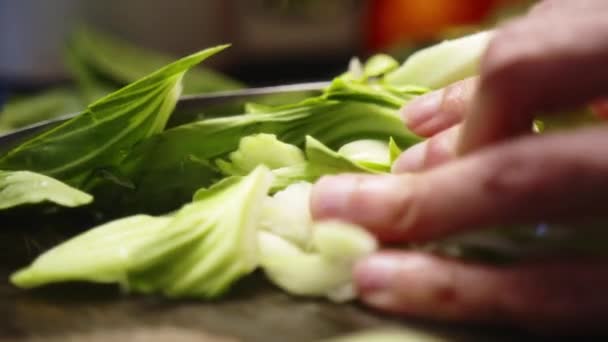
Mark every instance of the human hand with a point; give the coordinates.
(479, 167)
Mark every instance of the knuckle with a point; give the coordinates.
(441, 148)
(518, 173)
(413, 223)
(514, 175)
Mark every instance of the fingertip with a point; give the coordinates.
(411, 160)
(330, 195)
(418, 112)
(378, 203)
(374, 273)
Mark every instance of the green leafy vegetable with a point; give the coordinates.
(287, 214)
(103, 254)
(99, 136)
(379, 65)
(209, 244)
(261, 149)
(323, 270)
(442, 64)
(324, 161)
(25, 187)
(199, 251)
(123, 63)
(190, 151)
(308, 258)
(371, 154)
(289, 164)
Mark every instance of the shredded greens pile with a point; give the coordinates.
(193, 208)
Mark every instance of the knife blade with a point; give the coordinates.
(186, 105)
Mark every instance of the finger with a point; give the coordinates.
(532, 179)
(429, 153)
(536, 65)
(563, 296)
(436, 111)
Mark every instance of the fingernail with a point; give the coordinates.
(411, 159)
(422, 109)
(374, 275)
(331, 196)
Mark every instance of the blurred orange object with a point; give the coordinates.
(392, 21)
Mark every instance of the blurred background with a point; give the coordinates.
(42, 44)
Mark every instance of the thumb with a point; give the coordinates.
(375, 202)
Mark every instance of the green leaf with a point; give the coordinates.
(99, 136)
(261, 149)
(209, 244)
(103, 254)
(189, 152)
(379, 64)
(24, 187)
(122, 62)
(372, 154)
(442, 64)
(199, 251)
(289, 166)
(323, 161)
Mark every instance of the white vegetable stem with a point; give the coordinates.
(442, 64)
(309, 258)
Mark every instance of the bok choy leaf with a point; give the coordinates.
(199, 251)
(290, 164)
(442, 64)
(307, 258)
(25, 187)
(347, 111)
(122, 62)
(103, 254)
(99, 136)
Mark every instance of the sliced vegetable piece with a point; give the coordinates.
(208, 245)
(373, 154)
(287, 214)
(322, 271)
(261, 149)
(200, 251)
(103, 254)
(379, 64)
(24, 187)
(322, 160)
(442, 64)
